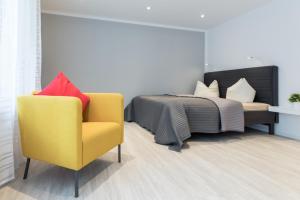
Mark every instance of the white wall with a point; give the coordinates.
(270, 33)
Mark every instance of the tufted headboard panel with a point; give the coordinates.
(263, 79)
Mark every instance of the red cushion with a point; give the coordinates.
(62, 86)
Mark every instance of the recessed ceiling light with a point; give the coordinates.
(202, 16)
(148, 7)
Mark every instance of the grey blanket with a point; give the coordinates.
(231, 114)
(173, 118)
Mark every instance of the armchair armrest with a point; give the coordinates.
(51, 129)
(105, 107)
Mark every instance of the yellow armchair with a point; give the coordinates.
(54, 129)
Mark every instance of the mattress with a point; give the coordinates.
(255, 106)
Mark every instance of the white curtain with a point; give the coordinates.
(20, 73)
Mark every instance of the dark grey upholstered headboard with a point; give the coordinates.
(263, 79)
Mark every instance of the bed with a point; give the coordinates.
(172, 118)
(264, 80)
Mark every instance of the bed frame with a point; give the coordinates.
(263, 79)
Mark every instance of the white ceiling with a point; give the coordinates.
(176, 13)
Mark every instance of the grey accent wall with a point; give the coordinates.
(101, 56)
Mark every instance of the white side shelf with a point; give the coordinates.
(284, 110)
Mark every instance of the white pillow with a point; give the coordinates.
(203, 91)
(241, 91)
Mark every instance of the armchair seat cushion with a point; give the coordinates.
(98, 138)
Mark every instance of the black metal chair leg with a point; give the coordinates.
(76, 177)
(271, 129)
(26, 168)
(119, 153)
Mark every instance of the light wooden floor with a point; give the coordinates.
(230, 166)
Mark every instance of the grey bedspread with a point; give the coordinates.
(172, 119)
